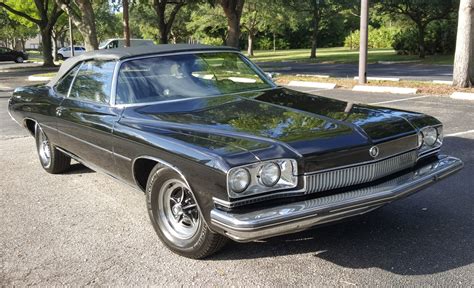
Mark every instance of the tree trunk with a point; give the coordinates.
(421, 41)
(250, 38)
(126, 27)
(314, 38)
(233, 31)
(274, 42)
(233, 11)
(463, 74)
(163, 34)
(87, 28)
(314, 35)
(47, 47)
(55, 48)
(85, 21)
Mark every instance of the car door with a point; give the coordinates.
(85, 118)
(3, 54)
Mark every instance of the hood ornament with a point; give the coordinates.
(374, 151)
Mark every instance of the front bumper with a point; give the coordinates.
(298, 216)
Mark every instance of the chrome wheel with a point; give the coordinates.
(44, 149)
(19, 60)
(179, 217)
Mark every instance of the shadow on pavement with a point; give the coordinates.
(429, 232)
(78, 168)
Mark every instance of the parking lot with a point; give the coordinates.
(85, 228)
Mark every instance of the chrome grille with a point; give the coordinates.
(354, 175)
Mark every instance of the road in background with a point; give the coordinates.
(404, 71)
(85, 228)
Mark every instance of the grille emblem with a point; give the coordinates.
(374, 151)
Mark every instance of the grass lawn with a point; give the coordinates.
(344, 55)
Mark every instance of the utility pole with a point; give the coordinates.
(364, 39)
(71, 40)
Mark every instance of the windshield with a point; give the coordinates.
(182, 76)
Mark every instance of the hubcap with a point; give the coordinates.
(44, 149)
(179, 215)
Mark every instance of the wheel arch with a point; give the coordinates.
(143, 165)
(30, 125)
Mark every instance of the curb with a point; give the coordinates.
(443, 82)
(39, 78)
(312, 84)
(392, 79)
(313, 75)
(462, 96)
(385, 89)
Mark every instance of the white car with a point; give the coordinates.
(65, 52)
(120, 42)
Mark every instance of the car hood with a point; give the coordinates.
(276, 123)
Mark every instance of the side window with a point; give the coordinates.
(62, 87)
(93, 81)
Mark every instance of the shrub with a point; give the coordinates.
(382, 37)
(440, 38)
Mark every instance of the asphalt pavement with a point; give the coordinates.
(84, 228)
(404, 71)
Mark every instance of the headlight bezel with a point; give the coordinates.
(424, 148)
(287, 179)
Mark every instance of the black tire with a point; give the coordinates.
(60, 57)
(19, 59)
(203, 242)
(52, 160)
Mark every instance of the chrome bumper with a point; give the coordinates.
(298, 216)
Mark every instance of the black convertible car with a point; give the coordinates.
(221, 151)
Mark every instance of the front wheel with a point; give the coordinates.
(52, 160)
(19, 59)
(60, 57)
(176, 216)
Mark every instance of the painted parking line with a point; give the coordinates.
(398, 100)
(459, 133)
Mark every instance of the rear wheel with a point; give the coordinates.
(52, 160)
(60, 57)
(176, 216)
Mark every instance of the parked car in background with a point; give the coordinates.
(118, 43)
(7, 54)
(65, 52)
(221, 151)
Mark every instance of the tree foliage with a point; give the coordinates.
(43, 13)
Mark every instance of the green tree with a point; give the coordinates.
(14, 33)
(43, 13)
(421, 12)
(82, 15)
(317, 10)
(208, 24)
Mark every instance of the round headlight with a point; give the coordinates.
(430, 135)
(270, 174)
(239, 180)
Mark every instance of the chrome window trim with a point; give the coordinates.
(108, 103)
(79, 65)
(113, 96)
